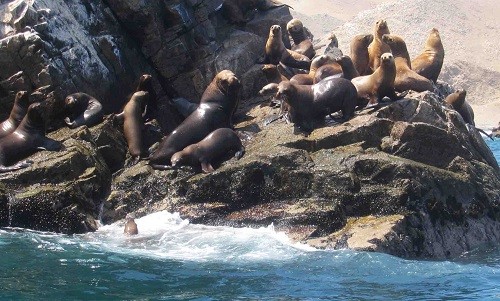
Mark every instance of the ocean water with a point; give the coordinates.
(172, 259)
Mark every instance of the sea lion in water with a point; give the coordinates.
(457, 101)
(359, 53)
(130, 226)
(377, 47)
(316, 64)
(372, 88)
(28, 138)
(234, 11)
(82, 109)
(406, 79)
(213, 147)
(276, 52)
(17, 113)
(217, 106)
(302, 44)
(430, 61)
(133, 123)
(311, 103)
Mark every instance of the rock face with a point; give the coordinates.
(410, 179)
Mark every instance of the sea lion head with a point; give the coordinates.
(434, 38)
(22, 99)
(227, 82)
(393, 40)
(294, 26)
(333, 38)
(145, 82)
(275, 31)
(321, 60)
(36, 115)
(387, 58)
(461, 93)
(140, 97)
(285, 90)
(381, 27)
(342, 60)
(269, 69)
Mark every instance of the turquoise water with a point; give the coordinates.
(173, 260)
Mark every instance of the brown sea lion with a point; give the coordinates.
(359, 53)
(348, 70)
(272, 74)
(429, 62)
(311, 103)
(406, 79)
(17, 113)
(372, 88)
(234, 11)
(217, 106)
(82, 109)
(28, 138)
(316, 64)
(377, 47)
(130, 226)
(212, 148)
(276, 51)
(342, 67)
(457, 101)
(149, 108)
(302, 44)
(133, 123)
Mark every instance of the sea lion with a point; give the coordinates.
(359, 53)
(372, 88)
(311, 103)
(213, 147)
(272, 74)
(133, 123)
(149, 108)
(342, 67)
(429, 62)
(457, 101)
(332, 49)
(82, 109)
(217, 106)
(302, 44)
(316, 64)
(21, 103)
(130, 226)
(377, 47)
(28, 138)
(184, 106)
(234, 11)
(406, 79)
(348, 70)
(276, 52)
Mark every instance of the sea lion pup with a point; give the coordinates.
(379, 84)
(429, 62)
(133, 123)
(457, 101)
(21, 103)
(234, 11)
(212, 148)
(28, 138)
(272, 74)
(342, 67)
(377, 47)
(302, 44)
(276, 51)
(82, 109)
(130, 226)
(311, 103)
(359, 53)
(406, 79)
(316, 64)
(217, 106)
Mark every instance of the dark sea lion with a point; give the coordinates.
(212, 148)
(17, 113)
(332, 49)
(272, 74)
(184, 106)
(234, 11)
(133, 123)
(372, 88)
(406, 79)
(316, 64)
(82, 109)
(276, 52)
(28, 138)
(359, 53)
(217, 106)
(348, 70)
(377, 47)
(342, 67)
(457, 101)
(311, 103)
(302, 44)
(130, 226)
(430, 61)
(150, 108)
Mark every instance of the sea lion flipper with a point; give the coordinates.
(269, 89)
(184, 106)
(19, 165)
(239, 154)
(207, 167)
(69, 123)
(50, 145)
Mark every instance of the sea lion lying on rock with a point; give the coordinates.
(456, 100)
(302, 44)
(82, 109)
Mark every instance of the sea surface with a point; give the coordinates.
(172, 259)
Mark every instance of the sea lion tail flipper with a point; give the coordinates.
(50, 145)
(69, 123)
(207, 167)
(487, 135)
(239, 154)
(161, 167)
